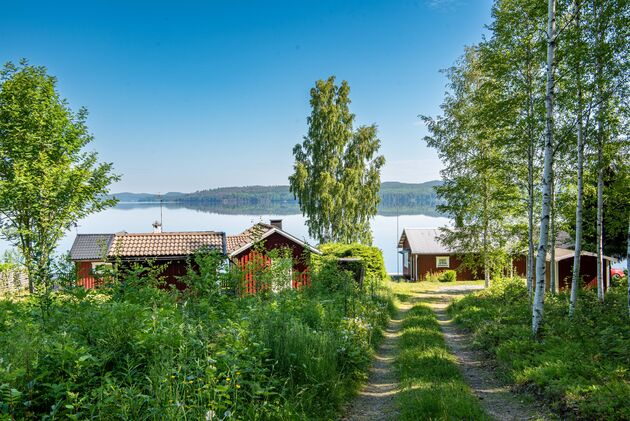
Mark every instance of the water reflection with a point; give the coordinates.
(138, 217)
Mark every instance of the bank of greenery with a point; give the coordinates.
(580, 366)
(134, 351)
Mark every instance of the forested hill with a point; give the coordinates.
(395, 197)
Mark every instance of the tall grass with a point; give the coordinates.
(133, 351)
(581, 366)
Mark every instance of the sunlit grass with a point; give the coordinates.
(581, 366)
(432, 387)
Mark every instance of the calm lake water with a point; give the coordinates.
(139, 217)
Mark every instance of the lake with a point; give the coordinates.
(138, 217)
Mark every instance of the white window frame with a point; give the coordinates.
(441, 266)
(96, 265)
(405, 258)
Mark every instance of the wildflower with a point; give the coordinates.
(210, 415)
(227, 379)
(238, 386)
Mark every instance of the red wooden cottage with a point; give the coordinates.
(423, 253)
(242, 251)
(588, 268)
(175, 249)
(171, 249)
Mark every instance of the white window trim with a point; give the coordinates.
(437, 262)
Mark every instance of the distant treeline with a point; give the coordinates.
(404, 198)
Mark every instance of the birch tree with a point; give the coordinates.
(518, 49)
(539, 294)
(578, 50)
(336, 175)
(476, 190)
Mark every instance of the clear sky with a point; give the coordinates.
(191, 95)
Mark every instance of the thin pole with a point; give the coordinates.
(397, 237)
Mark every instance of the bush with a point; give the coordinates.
(580, 366)
(448, 276)
(371, 256)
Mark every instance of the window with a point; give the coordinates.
(442, 262)
(96, 265)
(405, 258)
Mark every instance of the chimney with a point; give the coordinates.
(157, 227)
(276, 223)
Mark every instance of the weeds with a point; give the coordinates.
(133, 351)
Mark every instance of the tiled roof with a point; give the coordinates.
(90, 246)
(250, 235)
(165, 243)
(258, 231)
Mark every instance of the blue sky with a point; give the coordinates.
(191, 95)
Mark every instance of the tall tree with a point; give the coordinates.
(47, 178)
(475, 192)
(539, 294)
(518, 49)
(336, 175)
(577, 47)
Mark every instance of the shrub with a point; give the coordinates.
(448, 276)
(371, 256)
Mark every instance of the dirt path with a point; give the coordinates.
(376, 399)
(495, 397)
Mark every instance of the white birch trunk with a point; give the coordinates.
(628, 265)
(575, 279)
(530, 223)
(600, 164)
(539, 295)
(552, 237)
(486, 266)
(600, 223)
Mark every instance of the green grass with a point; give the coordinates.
(137, 352)
(581, 366)
(431, 385)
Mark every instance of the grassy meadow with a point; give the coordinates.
(133, 351)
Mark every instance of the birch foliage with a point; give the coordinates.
(336, 175)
